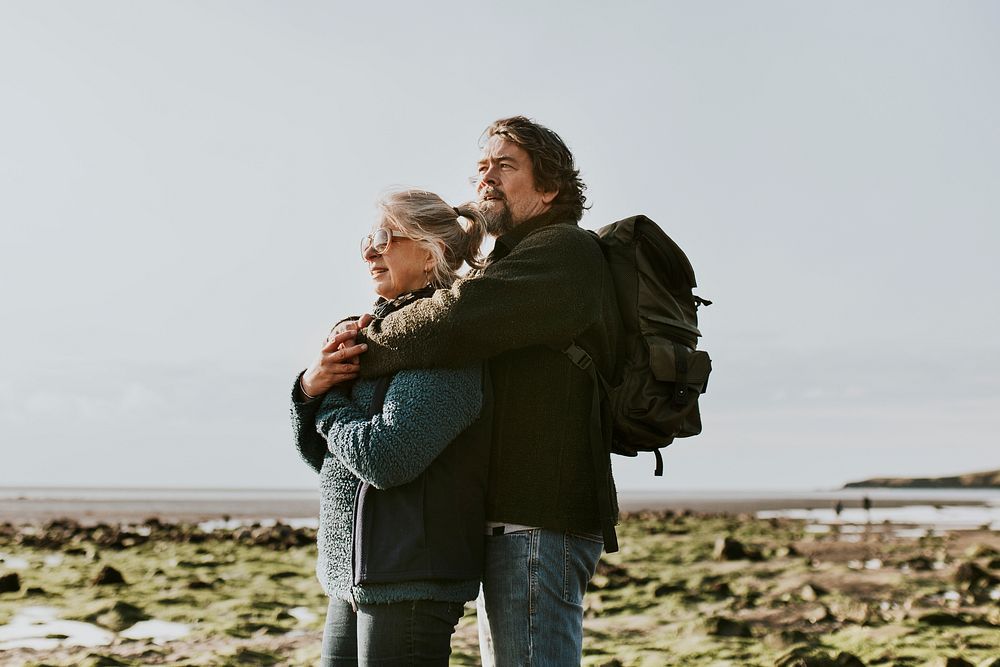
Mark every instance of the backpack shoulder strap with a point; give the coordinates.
(599, 449)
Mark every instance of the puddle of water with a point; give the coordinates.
(938, 517)
(157, 631)
(233, 524)
(36, 614)
(40, 628)
(34, 627)
(911, 533)
(851, 528)
(13, 562)
(303, 614)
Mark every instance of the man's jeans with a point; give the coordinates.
(417, 632)
(531, 609)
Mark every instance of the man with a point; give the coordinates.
(545, 284)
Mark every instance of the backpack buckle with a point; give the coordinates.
(578, 356)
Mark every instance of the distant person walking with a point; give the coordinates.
(866, 503)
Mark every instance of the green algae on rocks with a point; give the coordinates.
(687, 589)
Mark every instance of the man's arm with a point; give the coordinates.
(545, 292)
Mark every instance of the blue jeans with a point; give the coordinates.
(416, 632)
(531, 610)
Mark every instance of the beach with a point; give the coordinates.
(209, 577)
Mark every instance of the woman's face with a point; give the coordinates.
(401, 268)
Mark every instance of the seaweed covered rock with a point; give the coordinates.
(610, 577)
(981, 551)
(787, 551)
(812, 592)
(247, 656)
(807, 656)
(99, 660)
(918, 563)
(720, 626)
(719, 590)
(118, 616)
(950, 662)
(817, 614)
(944, 618)
(10, 583)
(669, 588)
(852, 611)
(974, 579)
(109, 576)
(280, 535)
(786, 638)
(729, 548)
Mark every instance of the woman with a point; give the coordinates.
(402, 461)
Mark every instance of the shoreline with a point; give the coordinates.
(134, 505)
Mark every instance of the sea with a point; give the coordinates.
(935, 509)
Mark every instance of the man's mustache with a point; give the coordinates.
(491, 191)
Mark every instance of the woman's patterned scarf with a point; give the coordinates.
(385, 306)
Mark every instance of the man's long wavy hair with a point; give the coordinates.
(551, 161)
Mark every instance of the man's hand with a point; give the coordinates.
(337, 361)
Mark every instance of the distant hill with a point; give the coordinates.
(972, 480)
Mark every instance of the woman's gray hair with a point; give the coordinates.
(428, 220)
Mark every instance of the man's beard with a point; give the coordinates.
(498, 218)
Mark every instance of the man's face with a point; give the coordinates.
(506, 187)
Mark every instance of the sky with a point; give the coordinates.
(183, 186)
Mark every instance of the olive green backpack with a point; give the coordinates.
(662, 373)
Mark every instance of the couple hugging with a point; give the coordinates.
(450, 431)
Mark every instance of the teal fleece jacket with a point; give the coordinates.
(423, 411)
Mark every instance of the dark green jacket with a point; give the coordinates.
(546, 283)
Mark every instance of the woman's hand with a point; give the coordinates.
(337, 361)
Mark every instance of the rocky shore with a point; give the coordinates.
(686, 589)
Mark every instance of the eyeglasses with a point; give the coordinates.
(378, 241)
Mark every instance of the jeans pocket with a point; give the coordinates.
(582, 551)
(593, 537)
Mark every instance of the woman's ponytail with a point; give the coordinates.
(475, 232)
